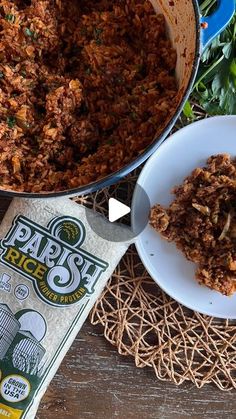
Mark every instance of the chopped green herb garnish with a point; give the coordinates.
(1, 75)
(28, 32)
(11, 121)
(97, 32)
(134, 116)
(10, 18)
(83, 31)
(23, 74)
(110, 141)
(119, 80)
(88, 71)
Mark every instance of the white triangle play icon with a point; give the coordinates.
(117, 210)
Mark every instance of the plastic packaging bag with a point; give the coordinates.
(53, 267)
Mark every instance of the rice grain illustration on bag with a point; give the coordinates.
(53, 267)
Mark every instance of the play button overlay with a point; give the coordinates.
(113, 228)
(117, 210)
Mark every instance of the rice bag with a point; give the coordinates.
(52, 269)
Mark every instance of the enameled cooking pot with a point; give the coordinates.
(190, 34)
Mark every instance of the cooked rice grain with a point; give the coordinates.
(202, 222)
(84, 88)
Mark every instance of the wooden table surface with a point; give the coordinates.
(94, 381)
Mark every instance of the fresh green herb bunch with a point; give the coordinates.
(215, 86)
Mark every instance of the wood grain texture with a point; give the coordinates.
(94, 381)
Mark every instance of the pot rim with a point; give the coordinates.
(129, 167)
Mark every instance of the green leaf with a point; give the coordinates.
(206, 55)
(205, 94)
(216, 85)
(232, 67)
(212, 108)
(187, 110)
(207, 73)
(227, 49)
(227, 102)
(234, 83)
(211, 52)
(201, 87)
(207, 6)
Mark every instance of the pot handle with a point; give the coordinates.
(214, 24)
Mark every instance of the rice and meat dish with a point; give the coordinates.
(84, 87)
(202, 222)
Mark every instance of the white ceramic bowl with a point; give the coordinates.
(170, 164)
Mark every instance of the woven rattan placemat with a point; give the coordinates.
(142, 321)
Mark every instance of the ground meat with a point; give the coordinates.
(202, 222)
(84, 87)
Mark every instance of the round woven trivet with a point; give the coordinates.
(142, 321)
